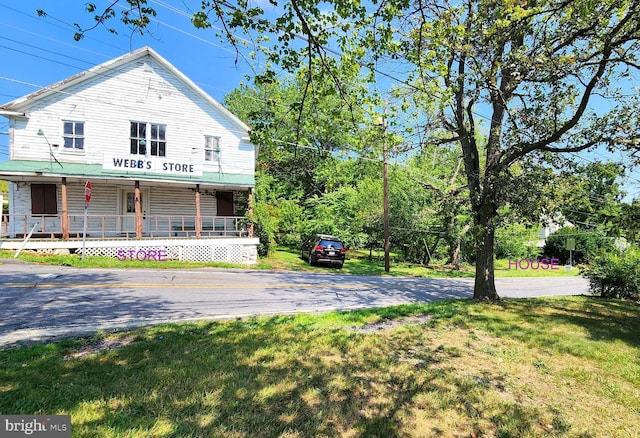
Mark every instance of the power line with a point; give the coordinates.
(46, 50)
(41, 57)
(48, 38)
(67, 26)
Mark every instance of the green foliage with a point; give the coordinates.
(615, 273)
(588, 242)
(627, 223)
(516, 241)
(591, 195)
(289, 217)
(264, 228)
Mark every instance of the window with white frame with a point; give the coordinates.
(152, 134)
(73, 135)
(211, 148)
(138, 138)
(158, 139)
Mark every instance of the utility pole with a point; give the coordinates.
(385, 190)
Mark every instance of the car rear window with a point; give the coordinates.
(325, 243)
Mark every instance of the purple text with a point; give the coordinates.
(544, 263)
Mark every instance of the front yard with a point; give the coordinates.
(565, 367)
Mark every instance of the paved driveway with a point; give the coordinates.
(40, 301)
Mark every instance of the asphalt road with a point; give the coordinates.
(39, 302)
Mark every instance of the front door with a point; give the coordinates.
(128, 210)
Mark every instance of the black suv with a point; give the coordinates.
(323, 248)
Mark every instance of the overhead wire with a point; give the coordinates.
(178, 11)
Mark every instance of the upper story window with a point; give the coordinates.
(211, 148)
(73, 135)
(158, 140)
(148, 137)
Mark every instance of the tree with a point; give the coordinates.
(532, 69)
(592, 195)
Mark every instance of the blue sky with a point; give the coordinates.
(36, 52)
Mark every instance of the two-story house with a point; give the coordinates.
(161, 163)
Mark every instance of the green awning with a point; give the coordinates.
(53, 169)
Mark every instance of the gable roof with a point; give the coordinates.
(17, 107)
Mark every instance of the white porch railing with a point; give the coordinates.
(123, 226)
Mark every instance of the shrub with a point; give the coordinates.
(587, 243)
(515, 241)
(615, 273)
(264, 228)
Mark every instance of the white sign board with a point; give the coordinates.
(152, 164)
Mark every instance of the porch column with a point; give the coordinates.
(65, 210)
(250, 230)
(198, 217)
(138, 207)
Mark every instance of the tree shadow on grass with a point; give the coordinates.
(261, 377)
(603, 319)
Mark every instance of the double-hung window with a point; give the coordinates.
(211, 148)
(151, 134)
(73, 135)
(158, 140)
(138, 138)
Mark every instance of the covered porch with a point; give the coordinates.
(125, 211)
(119, 226)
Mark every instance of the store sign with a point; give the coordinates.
(152, 165)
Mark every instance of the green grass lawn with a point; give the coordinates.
(358, 262)
(563, 367)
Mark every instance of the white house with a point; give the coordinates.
(166, 165)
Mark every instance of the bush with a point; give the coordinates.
(587, 243)
(288, 216)
(516, 241)
(615, 273)
(264, 228)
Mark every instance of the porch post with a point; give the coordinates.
(138, 208)
(198, 217)
(250, 230)
(65, 210)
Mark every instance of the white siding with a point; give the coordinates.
(142, 91)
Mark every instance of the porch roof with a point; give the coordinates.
(13, 169)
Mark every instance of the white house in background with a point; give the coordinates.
(551, 226)
(168, 166)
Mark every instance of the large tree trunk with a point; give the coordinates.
(485, 285)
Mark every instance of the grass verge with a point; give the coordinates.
(358, 263)
(566, 367)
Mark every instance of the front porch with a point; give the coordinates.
(123, 226)
(177, 237)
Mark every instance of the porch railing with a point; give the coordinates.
(123, 226)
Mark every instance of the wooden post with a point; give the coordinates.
(250, 230)
(138, 208)
(198, 217)
(385, 192)
(65, 210)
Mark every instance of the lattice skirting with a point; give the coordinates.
(239, 254)
(229, 250)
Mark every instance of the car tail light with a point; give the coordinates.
(342, 250)
(319, 248)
